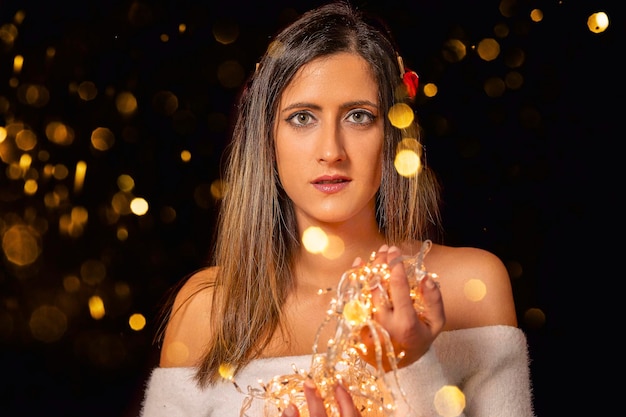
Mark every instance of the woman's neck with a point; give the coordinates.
(322, 270)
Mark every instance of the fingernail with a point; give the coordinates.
(430, 284)
(290, 411)
(394, 249)
(383, 248)
(356, 262)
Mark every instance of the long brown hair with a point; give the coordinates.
(256, 233)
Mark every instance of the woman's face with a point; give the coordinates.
(329, 137)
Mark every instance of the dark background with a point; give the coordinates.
(525, 174)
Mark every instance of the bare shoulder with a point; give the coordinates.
(475, 285)
(188, 327)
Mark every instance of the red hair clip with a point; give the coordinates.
(411, 81)
(409, 78)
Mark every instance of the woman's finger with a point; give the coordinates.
(432, 312)
(399, 289)
(315, 403)
(314, 400)
(380, 297)
(291, 411)
(345, 402)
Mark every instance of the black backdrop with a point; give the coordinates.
(523, 173)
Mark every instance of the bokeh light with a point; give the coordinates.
(488, 49)
(315, 240)
(407, 163)
(401, 115)
(449, 401)
(334, 247)
(139, 206)
(534, 318)
(475, 290)
(21, 244)
(102, 139)
(48, 323)
(96, 307)
(598, 22)
(113, 120)
(137, 321)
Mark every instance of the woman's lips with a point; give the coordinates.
(330, 185)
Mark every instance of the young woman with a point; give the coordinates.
(313, 148)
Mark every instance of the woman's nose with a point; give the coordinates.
(331, 145)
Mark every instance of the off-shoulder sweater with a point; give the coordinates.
(490, 365)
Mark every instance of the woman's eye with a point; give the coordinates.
(361, 117)
(300, 119)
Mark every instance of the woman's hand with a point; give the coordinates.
(411, 331)
(315, 403)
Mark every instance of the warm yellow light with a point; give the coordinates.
(488, 49)
(60, 172)
(21, 245)
(494, 87)
(47, 323)
(334, 248)
(126, 103)
(430, 90)
(96, 307)
(87, 90)
(137, 321)
(401, 115)
(18, 62)
(120, 203)
(71, 283)
(79, 214)
(598, 22)
(59, 133)
(454, 50)
(475, 290)
(79, 176)
(534, 318)
(314, 240)
(449, 401)
(218, 188)
(125, 183)
(102, 138)
(165, 102)
(407, 163)
(355, 312)
(536, 15)
(26, 140)
(122, 233)
(139, 206)
(30, 187)
(227, 371)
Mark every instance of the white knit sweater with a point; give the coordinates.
(489, 364)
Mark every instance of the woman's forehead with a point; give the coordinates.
(346, 72)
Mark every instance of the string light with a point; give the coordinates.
(351, 311)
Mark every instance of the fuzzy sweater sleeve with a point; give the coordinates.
(488, 365)
(172, 392)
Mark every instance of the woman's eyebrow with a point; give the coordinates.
(300, 105)
(347, 105)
